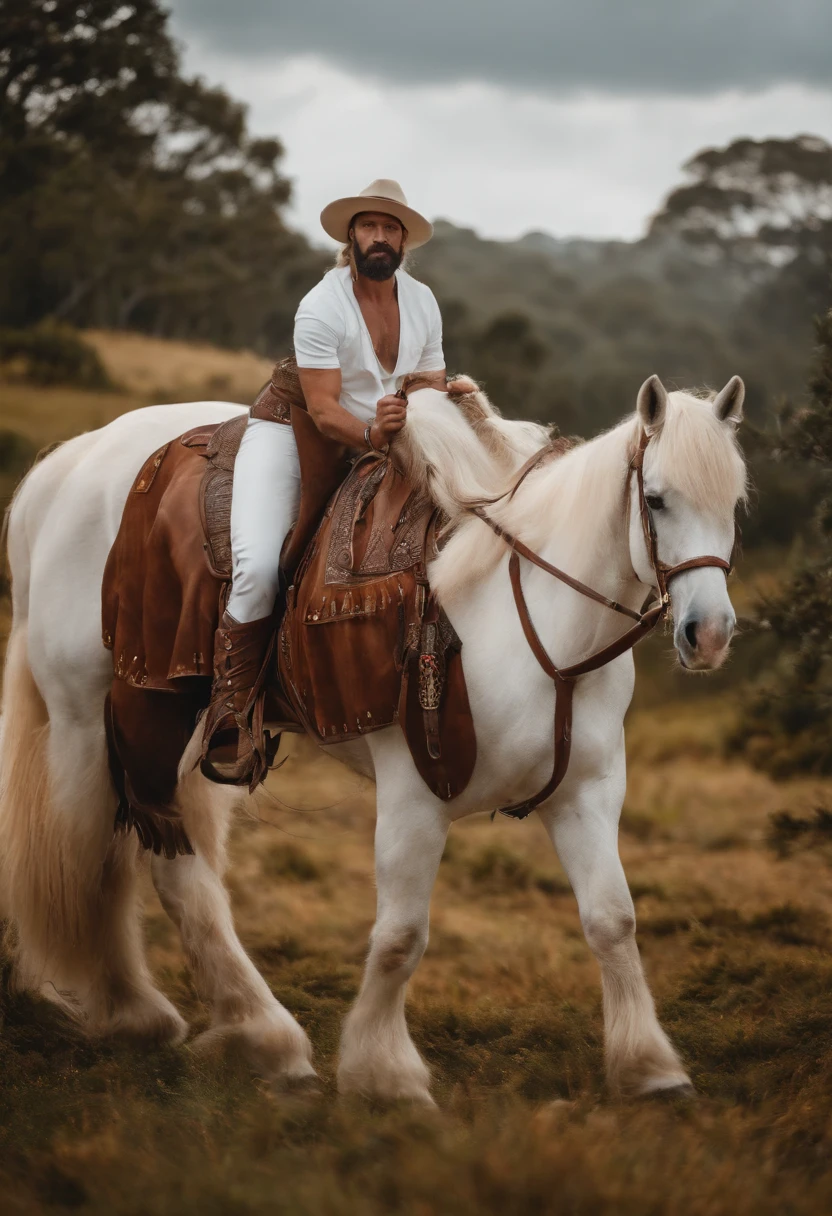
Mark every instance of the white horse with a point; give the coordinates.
(67, 883)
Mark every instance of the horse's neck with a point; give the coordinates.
(593, 549)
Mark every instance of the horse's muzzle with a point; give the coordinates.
(702, 645)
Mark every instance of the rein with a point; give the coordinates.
(564, 677)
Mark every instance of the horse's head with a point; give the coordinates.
(694, 477)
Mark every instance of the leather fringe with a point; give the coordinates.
(163, 836)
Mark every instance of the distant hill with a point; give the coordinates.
(568, 329)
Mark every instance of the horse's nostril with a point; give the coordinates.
(690, 634)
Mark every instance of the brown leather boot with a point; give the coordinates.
(233, 749)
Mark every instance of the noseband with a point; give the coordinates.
(564, 677)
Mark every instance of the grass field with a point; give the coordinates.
(734, 923)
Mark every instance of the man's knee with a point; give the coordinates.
(261, 572)
(254, 588)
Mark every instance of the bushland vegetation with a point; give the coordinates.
(786, 724)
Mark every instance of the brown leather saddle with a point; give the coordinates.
(362, 645)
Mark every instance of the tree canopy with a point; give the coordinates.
(766, 200)
(130, 195)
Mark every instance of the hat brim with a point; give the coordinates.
(337, 216)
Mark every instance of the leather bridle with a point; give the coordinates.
(564, 677)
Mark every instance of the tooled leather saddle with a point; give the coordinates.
(362, 644)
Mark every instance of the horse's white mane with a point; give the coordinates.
(460, 449)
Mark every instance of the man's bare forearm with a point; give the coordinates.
(335, 422)
(322, 390)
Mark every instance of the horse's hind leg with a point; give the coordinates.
(246, 1016)
(378, 1057)
(69, 883)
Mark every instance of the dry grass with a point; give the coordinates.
(147, 371)
(506, 1008)
(47, 415)
(160, 370)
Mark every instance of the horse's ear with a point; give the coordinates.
(651, 403)
(728, 402)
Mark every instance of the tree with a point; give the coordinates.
(767, 200)
(763, 208)
(785, 728)
(130, 195)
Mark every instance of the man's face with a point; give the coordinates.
(377, 244)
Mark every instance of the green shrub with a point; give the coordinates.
(51, 354)
(784, 725)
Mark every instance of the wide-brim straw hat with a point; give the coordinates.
(381, 195)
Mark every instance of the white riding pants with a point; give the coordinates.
(264, 506)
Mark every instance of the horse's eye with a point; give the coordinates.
(654, 501)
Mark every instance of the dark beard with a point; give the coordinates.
(376, 268)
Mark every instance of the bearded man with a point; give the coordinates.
(357, 333)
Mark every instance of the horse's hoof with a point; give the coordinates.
(678, 1091)
(303, 1087)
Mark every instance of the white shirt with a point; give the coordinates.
(330, 332)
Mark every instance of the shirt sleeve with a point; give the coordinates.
(316, 341)
(433, 357)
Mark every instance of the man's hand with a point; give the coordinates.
(391, 415)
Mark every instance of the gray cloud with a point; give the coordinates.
(557, 46)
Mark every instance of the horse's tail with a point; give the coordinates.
(24, 784)
(46, 875)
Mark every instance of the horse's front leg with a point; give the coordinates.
(378, 1057)
(583, 826)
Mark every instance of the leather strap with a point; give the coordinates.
(564, 689)
(662, 571)
(535, 559)
(555, 447)
(564, 678)
(529, 630)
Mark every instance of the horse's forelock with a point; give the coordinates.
(698, 455)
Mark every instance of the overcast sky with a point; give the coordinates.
(570, 116)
